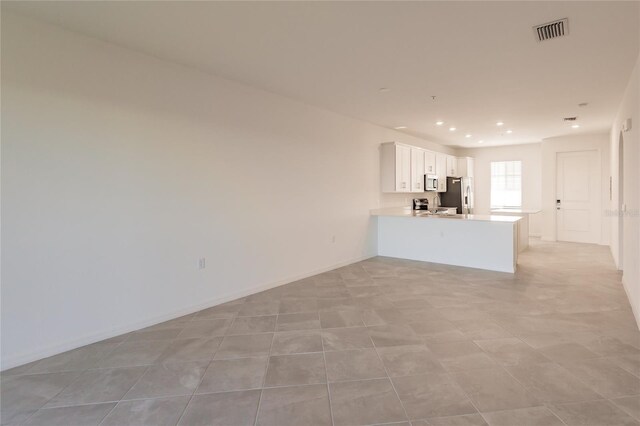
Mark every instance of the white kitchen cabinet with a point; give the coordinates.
(452, 166)
(429, 163)
(465, 166)
(417, 169)
(441, 171)
(395, 167)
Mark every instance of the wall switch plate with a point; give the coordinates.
(202, 263)
(626, 125)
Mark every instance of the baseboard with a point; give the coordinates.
(634, 309)
(18, 360)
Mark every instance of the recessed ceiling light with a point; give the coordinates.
(499, 123)
(509, 131)
(452, 129)
(468, 135)
(400, 127)
(480, 141)
(575, 126)
(439, 123)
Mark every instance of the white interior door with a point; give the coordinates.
(578, 196)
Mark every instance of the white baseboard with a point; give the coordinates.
(21, 359)
(634, 309)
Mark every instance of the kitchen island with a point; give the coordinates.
(475, 241)
(523, 224)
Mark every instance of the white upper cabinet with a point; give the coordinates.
(441, 171)
(452, 166)
(402, 167)
(417, 169)
(429, 163)
(465, 166)
(395, 167)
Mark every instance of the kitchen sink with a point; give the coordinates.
(448, 216)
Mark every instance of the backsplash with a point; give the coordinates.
(396, 200)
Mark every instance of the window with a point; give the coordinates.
(506, 184)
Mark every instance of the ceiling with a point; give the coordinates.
(480, 60)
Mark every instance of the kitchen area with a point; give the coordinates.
(440, 224)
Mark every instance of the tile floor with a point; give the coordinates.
(384, 341)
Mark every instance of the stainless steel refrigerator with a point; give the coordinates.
(459, 194)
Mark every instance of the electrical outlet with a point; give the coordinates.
(202, 263)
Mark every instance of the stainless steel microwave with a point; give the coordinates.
(430, 182)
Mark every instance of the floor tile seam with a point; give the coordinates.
(146, 398)
(550, 406)
(184, 410)
(526, 408)
(490, 355)
(611, 400)
(264, 379)
(588, 386)
(466, 394)
(144, 365)
(26, 373)
(393, 386)
(324, 357)
(135, 383)
(624, 396)
(79, 375)
(528, 389)
(116, 402)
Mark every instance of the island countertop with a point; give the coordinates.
(409, 212)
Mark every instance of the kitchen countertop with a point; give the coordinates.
(516, 211)
(408, 212)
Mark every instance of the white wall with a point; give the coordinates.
(530, 155)
(550, 148)
(119, 171)
(629, 108)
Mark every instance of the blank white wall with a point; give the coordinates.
(119, 171)
(550, 148)
(629, 108)
(530, 155)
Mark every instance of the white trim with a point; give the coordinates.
(636, 314)
(18, 360)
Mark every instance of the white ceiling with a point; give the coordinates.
(480, 59)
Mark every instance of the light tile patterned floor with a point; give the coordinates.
(384, 341)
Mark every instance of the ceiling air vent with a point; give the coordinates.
(570, 118)
(551, 30)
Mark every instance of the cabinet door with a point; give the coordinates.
(417, 170)
(441, 172)
(403, 168)
(465, 167)
(452, 166)
(429, 163)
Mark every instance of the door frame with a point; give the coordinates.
(620, 213)
(598, 185)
